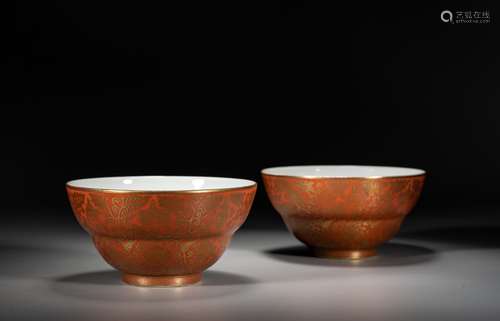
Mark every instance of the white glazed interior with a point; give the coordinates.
(342, 171)
(160, 183)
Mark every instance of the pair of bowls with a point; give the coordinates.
(166, 230)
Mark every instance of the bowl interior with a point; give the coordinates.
(160, 183)
(342, 171)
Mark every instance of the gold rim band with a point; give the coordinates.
(195, 191)
(424, 173)
(335, 178)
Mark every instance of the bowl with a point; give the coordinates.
(161, 230)
(343, 211)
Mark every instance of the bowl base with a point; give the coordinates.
(162, 280)
(344, 254)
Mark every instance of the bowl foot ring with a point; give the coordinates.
(162, 280)
(344, 254)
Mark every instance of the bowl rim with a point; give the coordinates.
(313, 177)
(187, 191)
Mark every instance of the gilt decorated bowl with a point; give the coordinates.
(161, 230)
(343, 211)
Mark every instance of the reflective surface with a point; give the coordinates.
(439, 270)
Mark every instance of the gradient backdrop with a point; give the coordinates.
(106, 88)
(109, 88)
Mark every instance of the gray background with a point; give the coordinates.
(436, 269)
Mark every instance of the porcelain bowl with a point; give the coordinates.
(343, 211)
(161, 230)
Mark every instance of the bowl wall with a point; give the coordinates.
(161, 233)
(343, 213)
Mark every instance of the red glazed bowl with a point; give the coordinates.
(161, 230)
(343, 211)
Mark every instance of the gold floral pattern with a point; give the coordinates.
(161, 234)
(343, 214)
